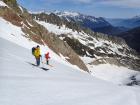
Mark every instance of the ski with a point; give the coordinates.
(43, 68)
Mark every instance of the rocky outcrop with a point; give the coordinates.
(54, 19)
(121, 56)
(132, 38)
(63, 48)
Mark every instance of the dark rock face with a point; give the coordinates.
(132, 38)
(133, 81)
(77, 46)
(106, 57)
(111, 30)
(11, 16)
(63, 48)
(54, 19)
(129, 23)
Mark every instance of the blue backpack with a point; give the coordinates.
(33, 50)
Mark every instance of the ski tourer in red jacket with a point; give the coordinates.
(47, 58)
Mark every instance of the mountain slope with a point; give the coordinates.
(91, 22)
(23, 84)
(86, 43)
(87, 21)
(128, 23)
(132, 37)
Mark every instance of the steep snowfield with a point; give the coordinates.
(23, 84)
(14, 34)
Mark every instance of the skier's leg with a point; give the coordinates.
(47, 61)
(38, 61)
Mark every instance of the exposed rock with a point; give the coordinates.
(61, 47)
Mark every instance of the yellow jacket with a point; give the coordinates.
(37, 52)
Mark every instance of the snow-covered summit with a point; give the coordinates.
(39, 12)
(66, 13)
(97, 24)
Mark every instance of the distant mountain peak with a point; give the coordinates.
(39, 12)
(66, 13)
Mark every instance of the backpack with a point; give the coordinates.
(33, 50)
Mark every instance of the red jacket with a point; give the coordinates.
(47, 55)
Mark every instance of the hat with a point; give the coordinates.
(37, 46)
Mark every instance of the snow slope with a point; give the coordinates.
(2, 4)
(113, 73)
(15, 34)
(23, 84)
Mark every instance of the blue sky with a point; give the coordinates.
(98, 8)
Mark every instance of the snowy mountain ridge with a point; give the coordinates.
(97, 24)
(66, 13)
(78, 17)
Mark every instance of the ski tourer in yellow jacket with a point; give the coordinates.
(37, 52)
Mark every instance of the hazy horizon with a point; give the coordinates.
(97, 8)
